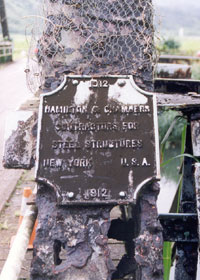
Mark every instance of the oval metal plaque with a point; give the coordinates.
(97, 140)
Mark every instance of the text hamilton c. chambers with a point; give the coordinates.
(66, 125)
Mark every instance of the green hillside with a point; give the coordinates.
(173, 15)
(16, 11)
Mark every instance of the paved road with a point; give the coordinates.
(13, 92)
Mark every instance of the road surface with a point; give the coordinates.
(13, 92)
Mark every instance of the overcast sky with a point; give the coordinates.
(178, 3)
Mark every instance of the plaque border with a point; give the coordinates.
(139, 188)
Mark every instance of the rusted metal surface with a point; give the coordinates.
(178, 101)
(24, 157)
(142, 233)
(176, 86)
(195, 132)
(186, 254)
(179, 227)
(97, 37)
(97, 40)
(186, 261)
(197, 187)
(175, 71)
(19, 150)
(27, 152)
(149, 241)
(71, 243)
(178, 58)
(94, 148)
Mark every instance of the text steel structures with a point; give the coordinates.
(97, 140)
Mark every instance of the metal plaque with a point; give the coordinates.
(97, 140)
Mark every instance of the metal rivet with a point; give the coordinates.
(122, 194)
(70, 195)
(121, 83)
(75, 82)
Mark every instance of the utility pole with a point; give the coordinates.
(3, 18)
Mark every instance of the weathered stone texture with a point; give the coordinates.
(81, 235)
(95, 38)
(148, 244)
(19, 150)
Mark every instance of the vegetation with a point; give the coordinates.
(183, 46)
(189, 45)
(167, 254)
(173, 118)
(170, 46)
(20, 45)
(4, 225)
(166, 118)
(196, 71)
(180, 46)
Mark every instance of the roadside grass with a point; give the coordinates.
(196, 71)
(20, 45)
(4, 225)
(190, 45)
(21, 179)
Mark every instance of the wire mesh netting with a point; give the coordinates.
(92, 37)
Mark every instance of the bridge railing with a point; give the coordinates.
(6, 51)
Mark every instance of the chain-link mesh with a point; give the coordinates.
(95, 37)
